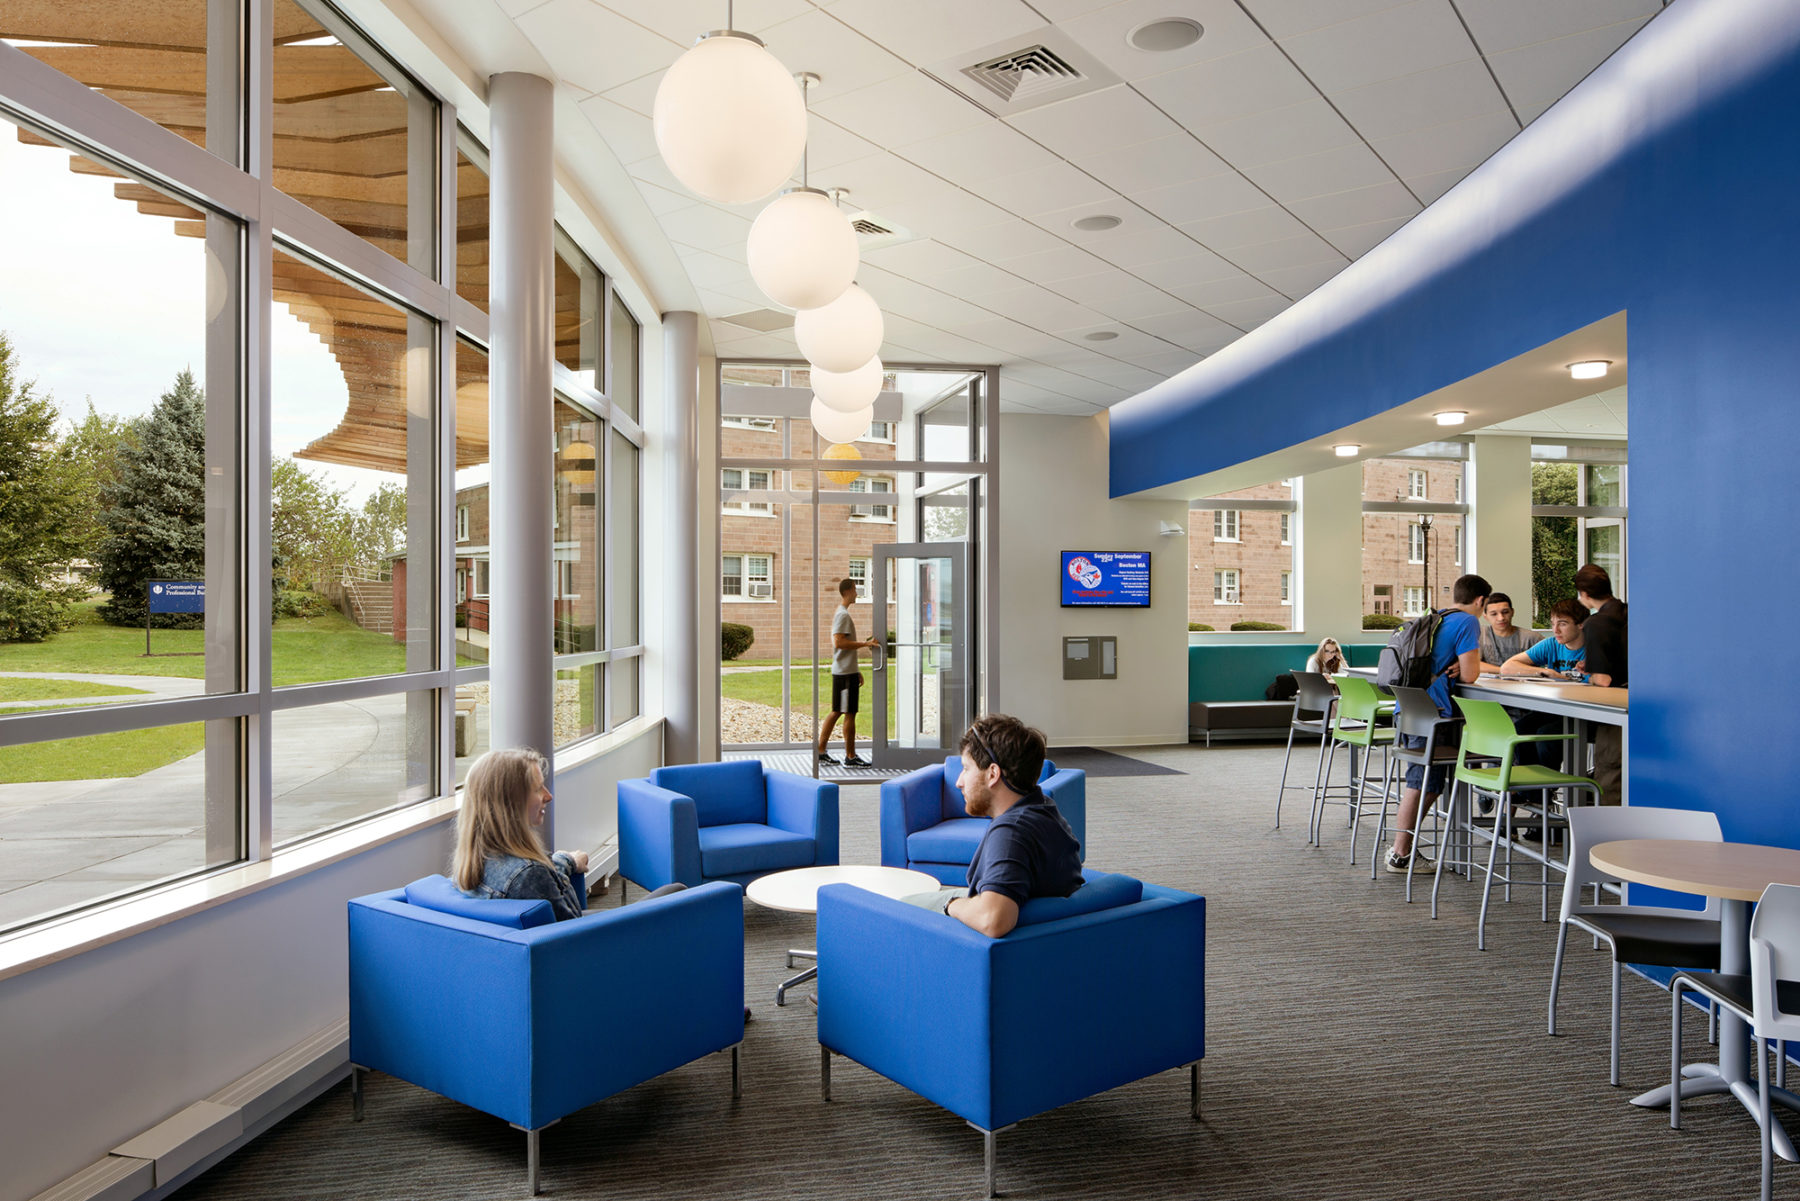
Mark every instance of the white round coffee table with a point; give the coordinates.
(797, 891)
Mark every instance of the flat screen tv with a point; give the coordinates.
(1106, 579)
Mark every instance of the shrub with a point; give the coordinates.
(734, 639)
(1382, 621)
(1194, 625)
(300, 603)
(1257, 625)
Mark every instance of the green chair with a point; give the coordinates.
(1488, 733)
(1359, 709)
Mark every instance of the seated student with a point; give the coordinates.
(1328, 659)
(1562, 656)
(1500, 638)
(498, 854)
(1028, 849)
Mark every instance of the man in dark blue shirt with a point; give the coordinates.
(1029, 849)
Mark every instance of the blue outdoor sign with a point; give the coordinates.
(177, 596)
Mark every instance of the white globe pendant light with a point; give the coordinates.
(835, 426)
(848, 391)
(729, 121)
(802, 250)
(842, 335)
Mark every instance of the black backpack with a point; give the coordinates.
(1406, 660)
(1285, 688)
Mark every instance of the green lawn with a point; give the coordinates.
(98, 756)
(775, 662)
(49, 690)
(764, 687)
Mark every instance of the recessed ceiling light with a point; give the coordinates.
(1346, 450)
(1452, 418)
(1101, 335)
(1171, 33)
(1589, 369)
(1096, 223)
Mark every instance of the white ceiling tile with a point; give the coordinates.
(1125, 375)
(902, 110)
(639, 95)
(1298, 281)
(652, 170)
(1159, 163)
(1061, 11)
(1043, 309)
(1244, 229)
(1285, 18)
(717, 273)
(705, 227)
(1357, 240)
(1157, 244)
(1296, 251)
(1537, 76)
(1104, 34)
(1433, 97)
(1501, 25)
(1058, 380)
(627, 133)
(965, 157)
(1445, 147)
(1008, 240)
(1248, 314)
(1173, 362)
(1050, 266)
(923, 31)
(1202, 199)
(920, 302)
(977, 282)
(1033, 193)
(1151, 302)
(829, 145)
(1358, 206)
(1010, 336)
(918, 260)
(1098, 121)
(565, 32)
(661, 200)
(843, 59)
(1238, 84)
(1317, 174)
(1193, 268)
(1128, 344)
(1102, 287)
(1286, 132)
(1132, 219)
(954, 347)
(1392, 42)
(1429, 187)
(1223, 291)
(1192, 330)
(681, 21)
(880, 181)
(944, 210)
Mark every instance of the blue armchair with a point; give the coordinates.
(1089, 992)
(491, 1003)
(723, 821)
(925, 827)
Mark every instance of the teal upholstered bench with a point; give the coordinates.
(1226, 683)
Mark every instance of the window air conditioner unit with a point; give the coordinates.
(763, 591)
(863, 510)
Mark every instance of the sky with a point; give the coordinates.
(103, 302)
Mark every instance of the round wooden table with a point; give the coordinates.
(797, 891)
(1736, 873)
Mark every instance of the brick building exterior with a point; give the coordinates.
(1243, 563)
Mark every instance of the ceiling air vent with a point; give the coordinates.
(873, 231)
(766, 320)
(1024, 74)
(870, 229)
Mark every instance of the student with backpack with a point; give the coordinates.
(1451, 640)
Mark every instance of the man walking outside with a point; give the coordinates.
(1605, 636)
(846, 678)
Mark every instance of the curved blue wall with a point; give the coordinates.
(1666, 185)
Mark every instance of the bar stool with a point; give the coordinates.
(1415, 716)
(1488, 733)
(1313, 706)
(1357, 710)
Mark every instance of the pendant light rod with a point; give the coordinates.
(806, 80)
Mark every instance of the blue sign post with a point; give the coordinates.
(172, 596)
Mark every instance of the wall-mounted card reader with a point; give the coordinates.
(1091, 658)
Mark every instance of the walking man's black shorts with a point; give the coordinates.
(844, 692)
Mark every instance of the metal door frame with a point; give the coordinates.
(962, 679)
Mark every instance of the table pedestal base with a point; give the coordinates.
(809, 974)
(1704, 1080)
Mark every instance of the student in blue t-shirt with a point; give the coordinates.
(1562, 655)
(1456, 655)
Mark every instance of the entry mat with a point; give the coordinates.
(1093, 761)
(1096, 762)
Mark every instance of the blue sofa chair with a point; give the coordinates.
(925, 827)
(723, 821)
(1088, 992)
(491, 1003)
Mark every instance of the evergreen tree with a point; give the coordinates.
(96, 443)
(40, 510)
(1553, 539)
(155, 515)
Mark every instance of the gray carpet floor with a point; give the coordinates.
(1355, 1049)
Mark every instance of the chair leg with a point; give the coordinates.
(1618, 974)
(1781, 1063)
(1767, 1120)
(1562, 941)
(356, 1092)
(824, 1072)
(987, 1155)
(1282, 790)
(1321, 780)
(1487, 883)
(531, 1161)
(1675, 1057)
(737, 1072)
(623, 888)
(1194, 1090)
(1387, 781)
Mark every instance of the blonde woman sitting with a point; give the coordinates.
(1328, 659)
(498, 852)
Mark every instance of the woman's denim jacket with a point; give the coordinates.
(512, 878)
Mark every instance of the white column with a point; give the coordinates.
(1330, 554)
(1500, 525)
(681, 628)
(522, 325)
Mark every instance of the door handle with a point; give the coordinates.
(880, 660)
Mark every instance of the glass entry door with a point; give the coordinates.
(921, 673)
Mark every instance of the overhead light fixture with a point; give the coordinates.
(1171, 33)
(842, 335)
(1346, 450)
(1096, 223)
(842, 479)
(835, 426)
(1589, 368)
(848, 391)
(1453, 417)
(728, 121)
(802, 251)
(1102, 335)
